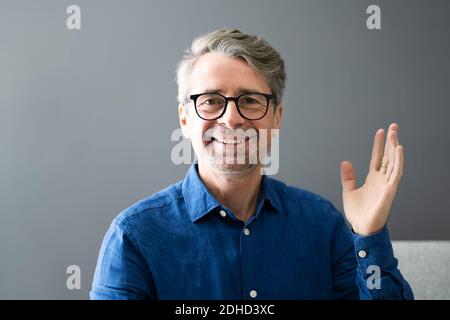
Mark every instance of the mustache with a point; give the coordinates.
(228, 133)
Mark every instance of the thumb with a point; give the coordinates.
(348, 176)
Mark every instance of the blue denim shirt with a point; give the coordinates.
(181, 243)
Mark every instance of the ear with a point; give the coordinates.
(277, 116)
(183, 117)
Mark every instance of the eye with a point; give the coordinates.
(250, 100)
(212, 102)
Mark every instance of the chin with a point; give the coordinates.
(234, 170)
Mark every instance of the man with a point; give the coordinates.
(229, 232)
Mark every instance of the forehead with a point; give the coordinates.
(215, 71)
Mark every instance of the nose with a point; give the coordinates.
(231, 118)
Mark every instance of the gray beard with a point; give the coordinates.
(233, 170)
(231, 167)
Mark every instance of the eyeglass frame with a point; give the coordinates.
(268, 97)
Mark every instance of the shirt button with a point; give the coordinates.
(253, 293)
(362, 253)
(247, 232)
(223, 213)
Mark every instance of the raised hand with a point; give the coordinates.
(367, 208)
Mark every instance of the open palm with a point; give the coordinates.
(367, 208)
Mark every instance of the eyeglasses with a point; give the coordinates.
(212, 106)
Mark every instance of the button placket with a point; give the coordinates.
(250, 260)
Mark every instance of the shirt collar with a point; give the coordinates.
(271, 190)
(199, 201)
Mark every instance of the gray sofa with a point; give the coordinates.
(426, 266)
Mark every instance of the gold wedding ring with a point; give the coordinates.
(385, 164)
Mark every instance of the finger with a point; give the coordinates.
(377, 150)
(393, 144)
(392, 127)
(348, 176)
(397, 172)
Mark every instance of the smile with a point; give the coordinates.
(217, 140)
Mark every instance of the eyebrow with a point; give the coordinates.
(239, 91)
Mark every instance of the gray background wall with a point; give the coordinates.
(86, 116)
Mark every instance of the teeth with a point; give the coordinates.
(229, 142)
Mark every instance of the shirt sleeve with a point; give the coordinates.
(121, 272)
(364, 267)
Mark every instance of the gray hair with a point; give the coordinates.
(256, 51)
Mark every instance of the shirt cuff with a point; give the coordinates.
(374, 249)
